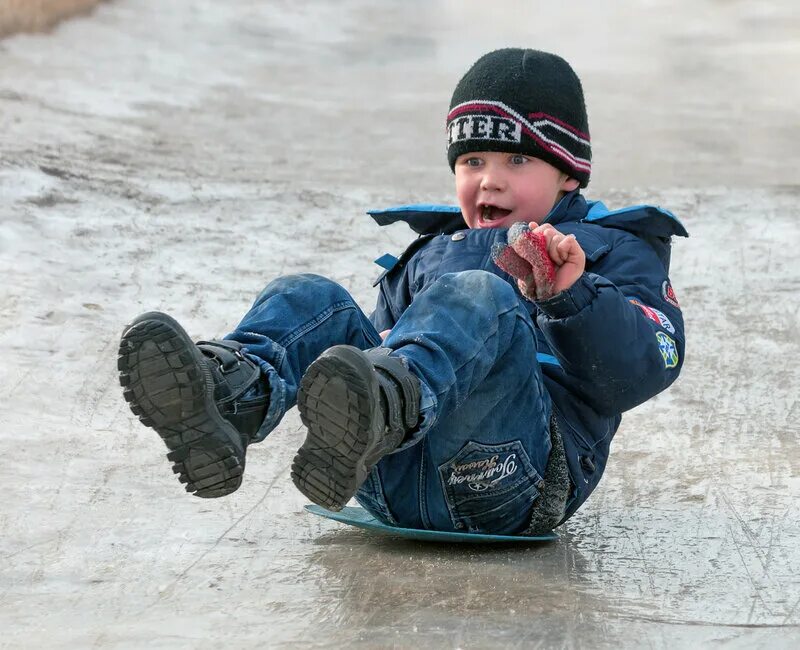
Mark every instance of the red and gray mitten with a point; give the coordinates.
(525, 258)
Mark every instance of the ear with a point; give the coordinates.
(568, 184)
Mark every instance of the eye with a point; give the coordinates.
(472, 162)
(518, 159)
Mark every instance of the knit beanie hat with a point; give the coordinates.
(522, 101)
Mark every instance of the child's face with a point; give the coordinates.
(497, 189)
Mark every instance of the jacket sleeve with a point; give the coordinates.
(617, 338)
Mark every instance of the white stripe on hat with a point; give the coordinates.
(535, 127)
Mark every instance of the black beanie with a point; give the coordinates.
(522, 101)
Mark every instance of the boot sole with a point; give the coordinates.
(337, 400)
(169, 387)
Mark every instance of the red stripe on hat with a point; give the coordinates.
(581, 134)
(553, 148)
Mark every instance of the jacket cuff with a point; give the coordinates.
(570, 301)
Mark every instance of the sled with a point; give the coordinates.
(360, 518)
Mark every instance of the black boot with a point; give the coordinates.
(358, 406)
(195, 397)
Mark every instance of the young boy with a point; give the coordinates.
(516, 331)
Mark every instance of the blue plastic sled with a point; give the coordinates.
(360, 518)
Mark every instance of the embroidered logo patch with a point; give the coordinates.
(658, 317)
(666, 323)
(483, 473)
(647, 311)
(668, 349)
(669, 294)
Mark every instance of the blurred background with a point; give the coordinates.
(37, 15)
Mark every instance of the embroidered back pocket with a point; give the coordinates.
(490, 488)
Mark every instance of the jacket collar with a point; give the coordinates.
(571, 207)
(426, 219)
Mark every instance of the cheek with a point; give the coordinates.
(465, 193)
(466, 202)
(540, 198)
(530, 197)
(462, 184)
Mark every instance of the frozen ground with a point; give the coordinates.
(179, 155)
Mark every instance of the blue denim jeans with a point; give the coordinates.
(477, 459)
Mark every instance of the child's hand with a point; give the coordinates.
(566, 254)
(543, 260)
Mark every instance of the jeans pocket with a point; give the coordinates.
(490, 488)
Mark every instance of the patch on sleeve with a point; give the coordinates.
(668, 293)
(668, 349)
(658, 317)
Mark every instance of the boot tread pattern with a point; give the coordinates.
(334, 404)
(166, 387)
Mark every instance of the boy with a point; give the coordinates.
(516, 331)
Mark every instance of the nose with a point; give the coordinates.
(493, 179)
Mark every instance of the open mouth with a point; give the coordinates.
(492, 214)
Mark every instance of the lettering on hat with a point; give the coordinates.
(483, 127)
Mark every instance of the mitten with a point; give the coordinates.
(525, 258)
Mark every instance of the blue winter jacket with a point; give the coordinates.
(609, 343)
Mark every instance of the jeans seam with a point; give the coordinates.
(277, 407)
(375, 497)
(423, 505)
(315, 322)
